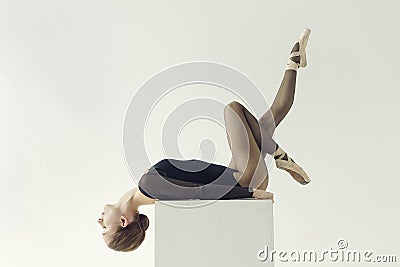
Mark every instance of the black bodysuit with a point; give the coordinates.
(172, 179)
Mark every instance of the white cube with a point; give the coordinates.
(213, 233)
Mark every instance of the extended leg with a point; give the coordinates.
(281, 106)
(283, 100)
(272, 118)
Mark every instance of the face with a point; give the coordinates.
(111, 218)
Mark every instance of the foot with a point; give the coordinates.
(297, 56)
(284, 162)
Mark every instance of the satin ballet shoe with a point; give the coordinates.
(303, 40)
(284, 162)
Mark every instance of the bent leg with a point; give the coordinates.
(247, 142)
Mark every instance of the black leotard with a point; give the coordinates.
(171, 179)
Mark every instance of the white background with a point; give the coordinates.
(68, 70)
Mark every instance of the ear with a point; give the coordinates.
(124, 221)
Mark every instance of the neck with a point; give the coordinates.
(127, 204)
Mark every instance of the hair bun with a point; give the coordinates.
(143, 221)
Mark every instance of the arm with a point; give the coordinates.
(166, 188)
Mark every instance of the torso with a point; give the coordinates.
(192, 170)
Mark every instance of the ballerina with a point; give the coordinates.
(245, 176)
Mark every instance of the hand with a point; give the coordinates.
(261, 194)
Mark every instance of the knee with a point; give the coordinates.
(233, 105)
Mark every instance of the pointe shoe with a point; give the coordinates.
(303, 40)
(284, 162)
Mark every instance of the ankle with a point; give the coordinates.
(292, 65)
(276, 147)
(277, 151)
(294, 58)
(296, 47)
